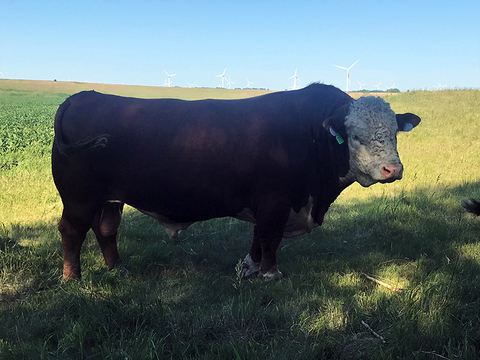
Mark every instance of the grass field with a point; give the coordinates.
(185, 298)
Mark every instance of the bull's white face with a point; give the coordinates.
(371, 126)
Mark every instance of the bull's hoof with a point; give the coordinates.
(250, 268)
(272, 274)
(123, 270)
(472, 206)
(71, 272)
(71, 278)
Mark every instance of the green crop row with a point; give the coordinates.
(25, 126)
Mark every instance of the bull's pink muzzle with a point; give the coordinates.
(392, 172)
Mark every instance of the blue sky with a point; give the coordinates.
(412, 44)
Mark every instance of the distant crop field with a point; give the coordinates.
(70, 88)
(186, 298)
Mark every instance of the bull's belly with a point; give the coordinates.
(172, 228)
(297, 224)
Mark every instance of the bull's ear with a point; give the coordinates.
(407, 122)
(336, 128)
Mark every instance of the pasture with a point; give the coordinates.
(186, 298)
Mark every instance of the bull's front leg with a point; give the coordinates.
(267, 236)
(269, 244)
(252, 262)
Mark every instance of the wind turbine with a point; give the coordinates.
(169, 76)
(249, 83)
(2, 74)
(295, 78)
(348, 71)
(230, 82)
(360, 85)
(377, 87)
(223, 76)
(390, 88)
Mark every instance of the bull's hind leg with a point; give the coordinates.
(73, 227)
(105, 226)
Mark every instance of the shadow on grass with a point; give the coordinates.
(186, 299)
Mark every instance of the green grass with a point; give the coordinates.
(185, 298)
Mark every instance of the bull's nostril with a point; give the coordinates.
(392, 172)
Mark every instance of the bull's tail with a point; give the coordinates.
(472, 206)
(70, 149)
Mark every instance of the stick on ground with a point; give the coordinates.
(373, 332)
(393, 288)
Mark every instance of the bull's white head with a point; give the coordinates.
(371, 129)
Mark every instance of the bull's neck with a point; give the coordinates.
(331, 172)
